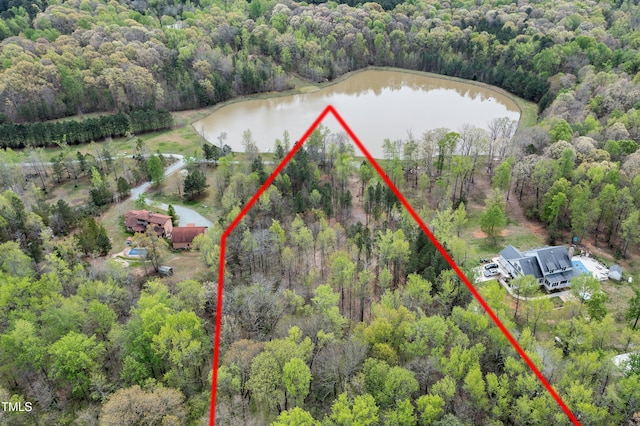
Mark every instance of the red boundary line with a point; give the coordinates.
(405, 203)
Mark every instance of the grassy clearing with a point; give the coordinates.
(74, 193)
(202, 206)
(619, 296)
(187, 265)
(514, 234)
(205, 205)
(113, 221)
(182, 139)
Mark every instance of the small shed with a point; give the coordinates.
(615, 272)
(165, 270)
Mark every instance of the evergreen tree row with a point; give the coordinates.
(72, 132)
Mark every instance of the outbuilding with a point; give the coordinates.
(182, 237)
(615, 273)
(165, 270)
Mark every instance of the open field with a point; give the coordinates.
(187, 265)
(75, 193)
(514, 234)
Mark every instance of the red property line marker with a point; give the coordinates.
(405, 203)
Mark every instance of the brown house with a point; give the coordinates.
(182, 237)
(138, 220)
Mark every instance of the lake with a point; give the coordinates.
(375, 104)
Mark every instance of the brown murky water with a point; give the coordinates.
(375, 104)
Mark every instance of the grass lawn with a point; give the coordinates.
(619, 296)
(112, 220)
(75, 194)
(205, 205)
(182, 139)
(186, 265)
(514, 234)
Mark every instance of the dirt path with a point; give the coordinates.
(516, 214)
(357, 209)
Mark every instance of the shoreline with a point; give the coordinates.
(184, 120)
(527, 109)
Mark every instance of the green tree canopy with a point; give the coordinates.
(493, 219)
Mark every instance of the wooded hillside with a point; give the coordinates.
(337, 309)
(84, 57)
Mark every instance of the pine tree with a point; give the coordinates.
(124, 188)
(194, 184)
(103, 242)
(174, 217)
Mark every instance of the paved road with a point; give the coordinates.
(135, 192)
(185, 215)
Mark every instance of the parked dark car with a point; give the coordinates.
(491, 266)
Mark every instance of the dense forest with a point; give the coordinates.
(337, 309)
(80, 57)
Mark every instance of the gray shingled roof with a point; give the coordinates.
(553, 258)
(510, 253)
(561, 276)
(530, 266)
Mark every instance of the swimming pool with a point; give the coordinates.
(580, 267)
(138, 252)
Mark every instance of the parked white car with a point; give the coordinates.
(491, 272)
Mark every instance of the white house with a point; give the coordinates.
(551, 266)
